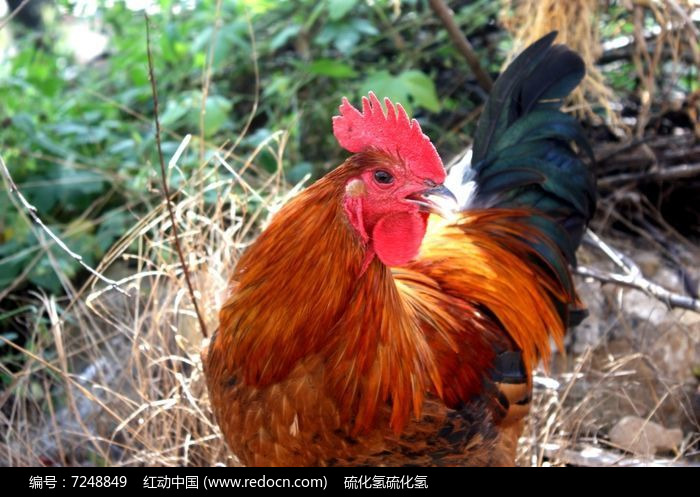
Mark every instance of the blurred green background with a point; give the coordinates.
(76, 108)
(76, 113)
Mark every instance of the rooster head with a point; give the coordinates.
(398, 181)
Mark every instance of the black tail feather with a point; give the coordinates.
(523, 152)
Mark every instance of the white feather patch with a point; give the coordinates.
(463, 190)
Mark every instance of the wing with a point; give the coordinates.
(487, 259)
(488, 304)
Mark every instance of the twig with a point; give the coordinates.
(164, 180)
(12, 14)
(596, 457)
(631, 144)
(632, 276)
(462, 44)
(32, 211)
(206, 78)
(687, 20)
(393, 32)
(669, 173)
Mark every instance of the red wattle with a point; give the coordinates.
(396, 238)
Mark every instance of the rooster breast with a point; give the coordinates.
(297, 423)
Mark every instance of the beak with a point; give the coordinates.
(437, 200)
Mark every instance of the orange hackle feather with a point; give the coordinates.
(485, 258)
(372, 356)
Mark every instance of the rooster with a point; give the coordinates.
(377, 321)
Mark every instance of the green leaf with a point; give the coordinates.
(217, 111)
(175, 110)
(71, 182)
(44, 275)
(186, 108)
(422, 89)
(410, 88)
(12, 261)
(332, 69)
(345, 36)
(278, 84)
(281, 38)
(122, 147)
(114, 226)
(202, 40)
(232, 39)
(383, 85)
(364, 26)
(338, 8)
(297, 172)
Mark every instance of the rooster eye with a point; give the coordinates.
(383, 177)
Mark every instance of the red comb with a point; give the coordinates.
(393, 133)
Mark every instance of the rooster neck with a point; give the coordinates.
(378, 355)
(291, 286)
(301, 290)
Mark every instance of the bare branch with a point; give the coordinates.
(12, 14)
(164, 180)
(32, 211)
(462, 44)
(632, 276)
(668, 173)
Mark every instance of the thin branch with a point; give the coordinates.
(461, 42)
(596, 457)
(206, 77)
(632, 276)
(685, 15)
(164, 180)
(394, 34)
(619, 149)
(32, 211)
(668, 173)
(12, 14)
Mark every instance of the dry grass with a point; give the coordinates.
(583, 36)
(125, 386)
(631, 357)
(578, 24)
(127, 369)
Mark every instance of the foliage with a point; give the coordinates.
(78, 136)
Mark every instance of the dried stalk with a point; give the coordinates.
(166, 190)
(32, 211)
(632, 276)
(462, 44)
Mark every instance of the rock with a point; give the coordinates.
(649, 262)
(644, 438)
(591, 331)
(687, 318)
(643, 307)
(675, 351)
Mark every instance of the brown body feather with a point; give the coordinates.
(318, 361)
